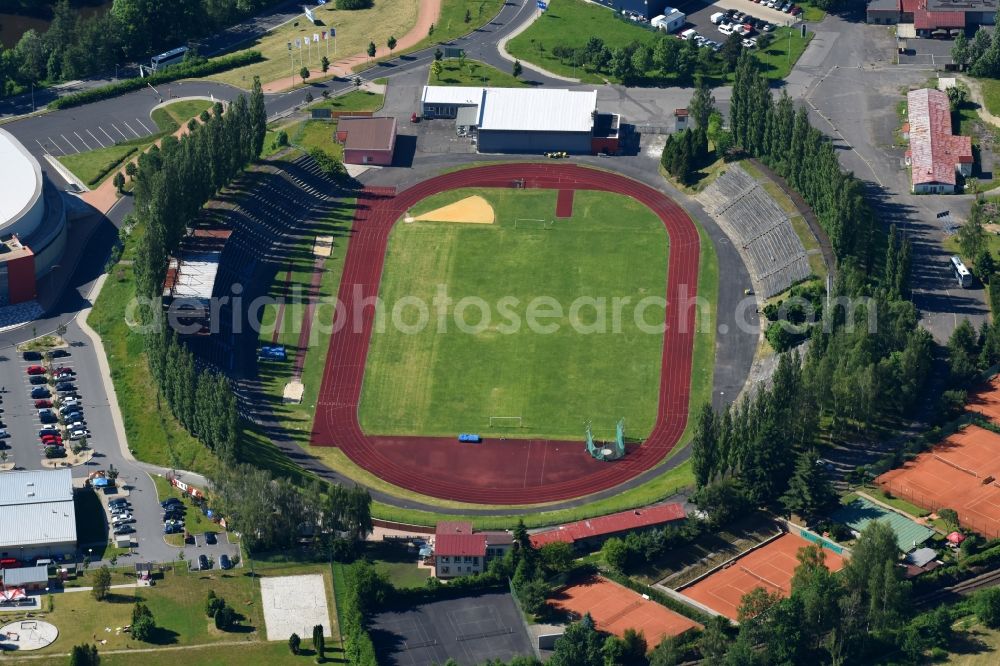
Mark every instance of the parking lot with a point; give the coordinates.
(919, 51)
(699, 14)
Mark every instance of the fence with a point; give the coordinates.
(524, 618)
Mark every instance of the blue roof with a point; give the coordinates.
(859, 512)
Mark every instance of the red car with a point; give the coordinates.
(51, 438)
(35, 370)
(42, 404)
(64, 370)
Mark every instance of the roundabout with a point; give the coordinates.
(500, 470)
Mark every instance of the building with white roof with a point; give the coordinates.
(39, 519)
(524, 120)
(190, 280)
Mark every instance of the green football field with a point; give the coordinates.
(506, 320)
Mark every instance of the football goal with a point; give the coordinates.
(532, 224)
(506, 422)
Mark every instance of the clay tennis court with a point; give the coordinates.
(616, 608)
(771, 567)
(986, 400)
(958, 473)
(511, 471)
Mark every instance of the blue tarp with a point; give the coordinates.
(99, 482)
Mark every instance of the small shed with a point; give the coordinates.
(30, 578)
(367, 140)
(680, 119)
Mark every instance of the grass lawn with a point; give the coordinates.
(571, 23)
(93, 165)
(966, 117)
(974, 644)
(474, 73)
(991, 94)
(354, 30)
(810, 12)
(356, 100)
(781, 55)
(895, 502)
(184, 110)
(399, 565)
(554, 371)
(309, 134)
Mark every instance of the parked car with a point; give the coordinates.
(170, 500)
(48, 430)
(122, 518)
(65, 369)
(203, 562)
(210, 538)
(65, 386)
(40, 404)
(51, 439)
(749, 43)
(64, 376)
(726, 29)
(77, 435)
(46, 416)
(36, 380)
(172, 529)
(123, 529)
(225, 562)
(32, 356)
(35, 370)
(173, 517)
(174, 522)
(4, 434)
(54, 451)
(769, 27)
(41, 392)
(77, 425)
(57, 353)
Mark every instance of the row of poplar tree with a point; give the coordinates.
(172, 184)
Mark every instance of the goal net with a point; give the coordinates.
(506, 422)
(533, 224)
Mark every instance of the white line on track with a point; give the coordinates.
(70, 143)
(95, 139)
(82, 140)
(137, 135)
(149, 131)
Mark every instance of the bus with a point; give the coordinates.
(164, 60)
(962, 273)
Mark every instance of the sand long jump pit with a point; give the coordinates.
(470, 210)
(294, 605)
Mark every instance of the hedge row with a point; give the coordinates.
(994, 290)
(186, 70)
(358, 646)
(658, 596)
(110, 166)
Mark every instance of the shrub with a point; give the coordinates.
(185, 70)
(225, 618)
(354, 4)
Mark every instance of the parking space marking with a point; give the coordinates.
(106, 134)
(137, 135)
(70, 143)
(40, 145)
(144, 126)
(95, 138)
(119, 131)
(82, 140)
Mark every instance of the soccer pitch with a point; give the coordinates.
(555, 321)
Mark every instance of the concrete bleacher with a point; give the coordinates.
(760, 228)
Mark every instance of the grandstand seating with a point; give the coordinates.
(760, 228)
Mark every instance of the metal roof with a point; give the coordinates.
(33, 524)
(460, 545)
(537, 110)
(374, 133)
(934, 150)
(458, 95)
(21, 185)
(613, 524)
(34, 486)
(193, 275)
(859, 512)
(26, 575)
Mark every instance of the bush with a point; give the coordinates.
(354, 4)
(213, 604)
(185, 70)
(225, 618)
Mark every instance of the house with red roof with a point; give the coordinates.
(936, 157)
(933, 18)
(593, 531)
(461, 551)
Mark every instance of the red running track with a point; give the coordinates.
(509, 471)
(564, 203)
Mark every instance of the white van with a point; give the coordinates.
(717, 17)
(690, 33)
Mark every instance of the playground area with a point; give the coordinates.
(528, 394)
(616, 608)
(27, 635)
(958, 473)
(770, 566)
(471, 630)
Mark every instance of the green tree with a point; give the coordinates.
(702, 105)
(84, 655)
(391, 43)
(324, 64)
(987, 606)
(950, 518)
(818, 593)
(809, 491)
(319, 643)
(225, 618)
(961, 51)
(143, 624)
(615, 554)
(304, 74)
(983, 264)
(213, 604)
(873, 570)
(580, 645)
(516, 69)
(963, 353)
(130, 170)
(436, 69)
(468, 16)
(668, 653)
(294, 643)
(371, 49)
(430, 31)
(438, 54)
(556, 557)
(724, 501)
(713, 643)
(119, 182)
(101, 584)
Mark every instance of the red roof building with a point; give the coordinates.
(607, 526)
(935, 155)
(367, 140)
(459, 551)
